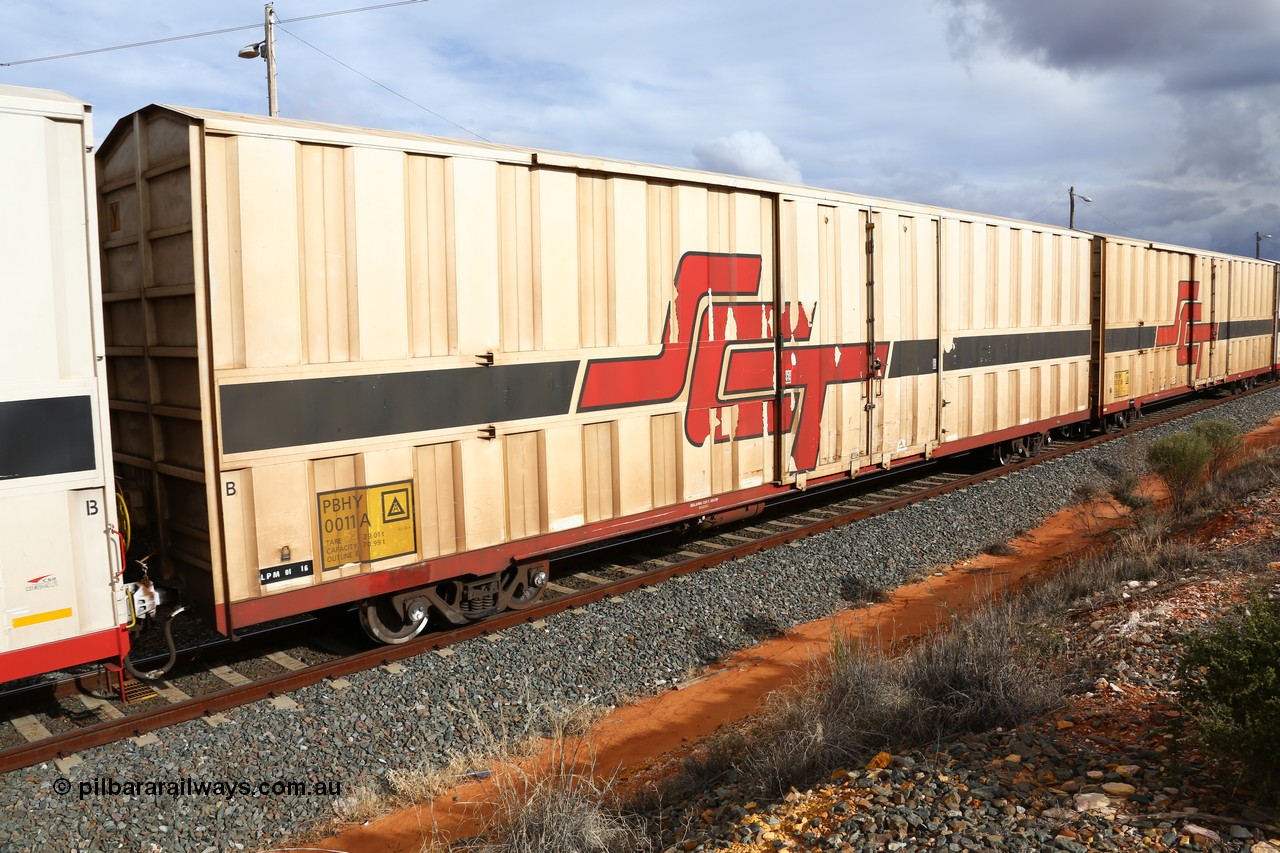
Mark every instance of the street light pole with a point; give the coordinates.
(1075, 195)
(1258, 237)
(273, 105)
(267, 50)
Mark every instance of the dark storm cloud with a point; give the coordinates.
(1223, 138)
(1250, 66)
(1213, 66)
(1169, 37)
(1153, 206)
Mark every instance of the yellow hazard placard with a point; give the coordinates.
(1121, 383)
(366, 524)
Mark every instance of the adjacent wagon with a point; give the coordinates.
(60, 593)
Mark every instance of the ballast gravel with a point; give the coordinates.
(236, 785)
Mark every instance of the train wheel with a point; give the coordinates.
(386, 623)
(1002, 453)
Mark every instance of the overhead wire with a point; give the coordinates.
(1123, 229)
(383, 85)
(1093, 208)
(1035, 216)
(218, 32)
(130, 45)
(278, 23)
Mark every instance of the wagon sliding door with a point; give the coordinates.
(823, 308)
(904, 264)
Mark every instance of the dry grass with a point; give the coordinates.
(421, 784)
(987, 670)
(1125, 472)
(492, 744)
(1093, 510)
(576, 721)
(499, 746)
(982, 671)
(990, 668)
(1251, 473)
(559, 805)
(362, 805)
(1001, 548)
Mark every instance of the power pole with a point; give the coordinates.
(1075, 195)
(267, 50)
(273, 105)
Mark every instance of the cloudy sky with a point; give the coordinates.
(1165, 112)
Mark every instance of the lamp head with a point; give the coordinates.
(252, 51)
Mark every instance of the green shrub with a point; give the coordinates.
(1180, 460)
(1231, 676)
(1223, 438)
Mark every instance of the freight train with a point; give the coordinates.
(358, 366)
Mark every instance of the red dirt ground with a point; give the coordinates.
(647, 734)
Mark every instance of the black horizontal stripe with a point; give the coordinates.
(913, 358)
(1129, 338)
(993, 350)
(1244, 329)
(920, 357)
(53, 435)
(270, 415)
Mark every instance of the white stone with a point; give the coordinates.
(1093, 803)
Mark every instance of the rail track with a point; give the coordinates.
(53, 720)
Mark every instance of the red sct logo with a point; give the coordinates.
(739, 373)
(1187, 331)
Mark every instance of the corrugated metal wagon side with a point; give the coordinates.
(59, 591)
(1245, 316)
(348, 363)
(357, 365)
(1017, 330)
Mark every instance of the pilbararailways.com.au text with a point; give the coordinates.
(224, 788)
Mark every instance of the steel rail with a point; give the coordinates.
(109, 731)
